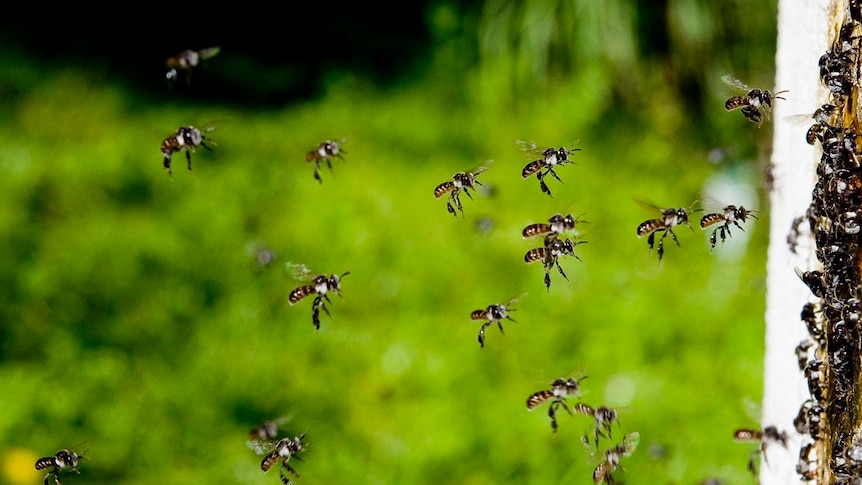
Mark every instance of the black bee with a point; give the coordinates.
(560, 389)
(556, 226)
(493, 314)
(62, 461)
(731, 214)
(611, 460)
(752, 102)
(319, 286)
(186, 138)
(550, 255)
(813, 280)
(325, 151)
(544, 166)
(769, 434)
(670, 218)
(186, 61)
(824, 117)
(603, 417)
(283, 450)
(461, 182)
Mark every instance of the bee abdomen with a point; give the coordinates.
(479, 315)
(534, 255)
(46, 462)
(299, 294)
(269, 460)
(735, 102)
(535, 230)
(710, 219)
(532, 168)
(649, 226)
(443, 188)
(584, 409)
(538, 398)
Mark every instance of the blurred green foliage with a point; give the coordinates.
(137, 325)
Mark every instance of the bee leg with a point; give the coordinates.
(660, 250)
(285, 480)
(544, 187)
(205, 145)
(547, 279)
(451, 209)
(651, 240)
(482, 335)
(554, 174)
(560, 269)
(712, 239)
(552, 413)
(329, 164)
(500, 325)
(672, 235)
(189, 159)
(466, 191)
(167, 164)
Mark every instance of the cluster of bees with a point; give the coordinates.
(828, 357)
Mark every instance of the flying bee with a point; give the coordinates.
(670, 218)
(611, 460)
(261, 436)
(560, 389)
(186, 138)
(752, 102)
(603, 417)
(731, 214)
(62, 461)
(325, 152)
(824, 117)
(550, 254)
(461, 182)
(186, 61)
(769, 434)
(556, 226)
(283, 450)
(320, 286)
(493, 314)
(549, 158)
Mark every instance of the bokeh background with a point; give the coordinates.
(139, 324)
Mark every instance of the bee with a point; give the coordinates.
(752, 102)
(186, 61)
(769, 434)
(611, 461)
(556, 226)
(550, 254)
(283, 450)
(186, 138)
(319, 285)
(731, 214)
(560, 389)
(493, 314)
(461, 182)
(63, 460)
(604, 418)
(262, 435)
(325, 152)
(670, 218)
(824, 117)
(549, 158)
(814, 280)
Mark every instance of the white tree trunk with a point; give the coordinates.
(805, 31)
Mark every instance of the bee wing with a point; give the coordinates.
(481, 168)
(514, 300)
(649, 205)
(630, 443)
(529, 147)
(209, 52)
(297, 271)
(735, 83)
(799, 119)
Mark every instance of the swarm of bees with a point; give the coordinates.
(325, 152)
(493, 314)
(186, 61)
(543, 166)
(461, 182)
(755, 104)
(319, 285)
(62, 461)
(187, 138)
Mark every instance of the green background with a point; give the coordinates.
(137, 326)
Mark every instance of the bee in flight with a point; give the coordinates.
(670, 218)
(731, 214)
(63, 460)
(752, 102)
(550, 254)
(548, 159)
(461, 182)
(186, 61)
(556, 226)
(560, 389)
(283, 450)
(186, 138)
(769, 434)
(824, 118)
(261, 436)
(325, 152)
(611, 461)
(604, 418)
(493, 314)
(320, 286)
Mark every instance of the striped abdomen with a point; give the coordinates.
(443, 188)
(538, 398)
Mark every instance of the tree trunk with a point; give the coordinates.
(807, 29)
